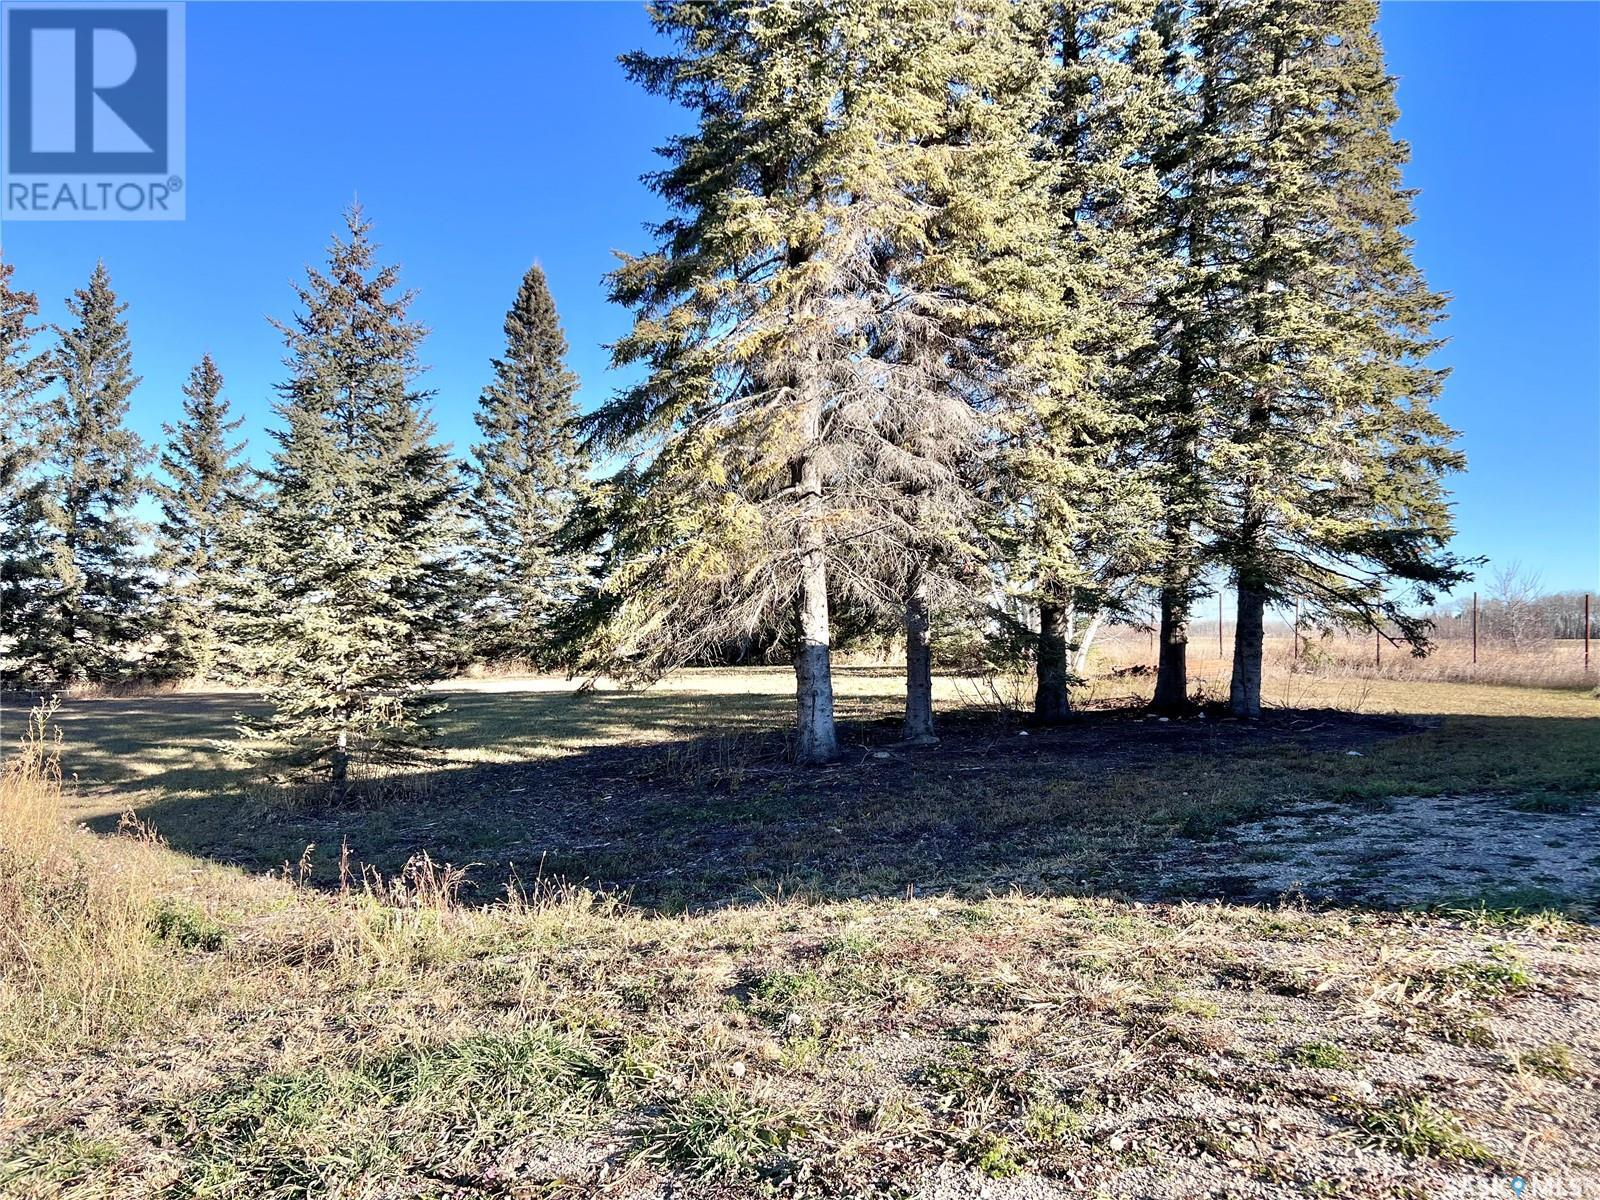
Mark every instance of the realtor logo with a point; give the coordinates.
(93, 112)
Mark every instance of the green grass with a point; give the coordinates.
(182, 923)
(716, 1134)
(1416, 1128)
(1324, 1056)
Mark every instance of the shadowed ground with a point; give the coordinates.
(629, 791)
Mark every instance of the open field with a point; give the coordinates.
(1536, 663)
(1341, 953)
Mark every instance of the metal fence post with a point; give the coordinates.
(1474, 628)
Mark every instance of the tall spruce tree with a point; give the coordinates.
(1332, 474)
(203, 503)
(1321, 458)
(24, 374)
(77, 610)
(959, 290)
(1193, 313)
(811, 324)
(357, 542)
(1082, 523)
(746, 325)
(528, 473)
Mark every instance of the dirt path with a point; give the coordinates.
(1409, 851)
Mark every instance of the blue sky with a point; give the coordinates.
(481, 138)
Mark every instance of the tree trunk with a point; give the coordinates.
(919, 663)
(1080, 663)
(815, 738)
(1172, 671)
(339, 768)
(1244, 693)
(1051, 702)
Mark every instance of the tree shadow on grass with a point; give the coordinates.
(690, 822)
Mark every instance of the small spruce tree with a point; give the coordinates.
(356, 545)
(527, 476)
(203, 504)
(77, 608)
(24, 374)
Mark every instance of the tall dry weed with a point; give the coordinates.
(79, 961)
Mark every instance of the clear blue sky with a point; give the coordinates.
(484, 137)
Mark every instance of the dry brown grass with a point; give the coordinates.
(1544, 663)
(182, 1029)
(77, 964)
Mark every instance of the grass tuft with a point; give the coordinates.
(1323, 1056)
(1416, 1128)
(717, 1133)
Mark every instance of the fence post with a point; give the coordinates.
(1220, 656)
(1294, 639)
(1474, 628)
(1586, 633)
(1377, 646)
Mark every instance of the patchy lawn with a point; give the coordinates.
(1052, 987)
(629, 790)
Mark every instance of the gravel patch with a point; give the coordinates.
(1412, 850)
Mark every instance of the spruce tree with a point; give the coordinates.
(1084, 506)
(959, 292)
(813, 326)
(1325, 460)
(726, 523)
(1192, 310)
(77, 608)
(24, 374)
(527, 477)
(203, 504)
(356, 544)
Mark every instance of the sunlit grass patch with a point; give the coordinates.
(717, 1133)
(1415, 1127)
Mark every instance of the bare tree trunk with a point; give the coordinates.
(919, 663)
(1244, 692)
(339, 768)
(1080, 663)
(1051, 702)
(816, 740)
(1172, 671)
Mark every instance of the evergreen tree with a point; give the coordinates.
(1193, 313)
(1083, 519)
(813, 326)
(1321, 459)
(203, 505)
(24, 374)
(356, 544)
(77, 610)
(746, 326)
(1368, 541)
(957, 294)
(528, 473)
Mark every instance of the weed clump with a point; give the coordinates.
(1417, 1129)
